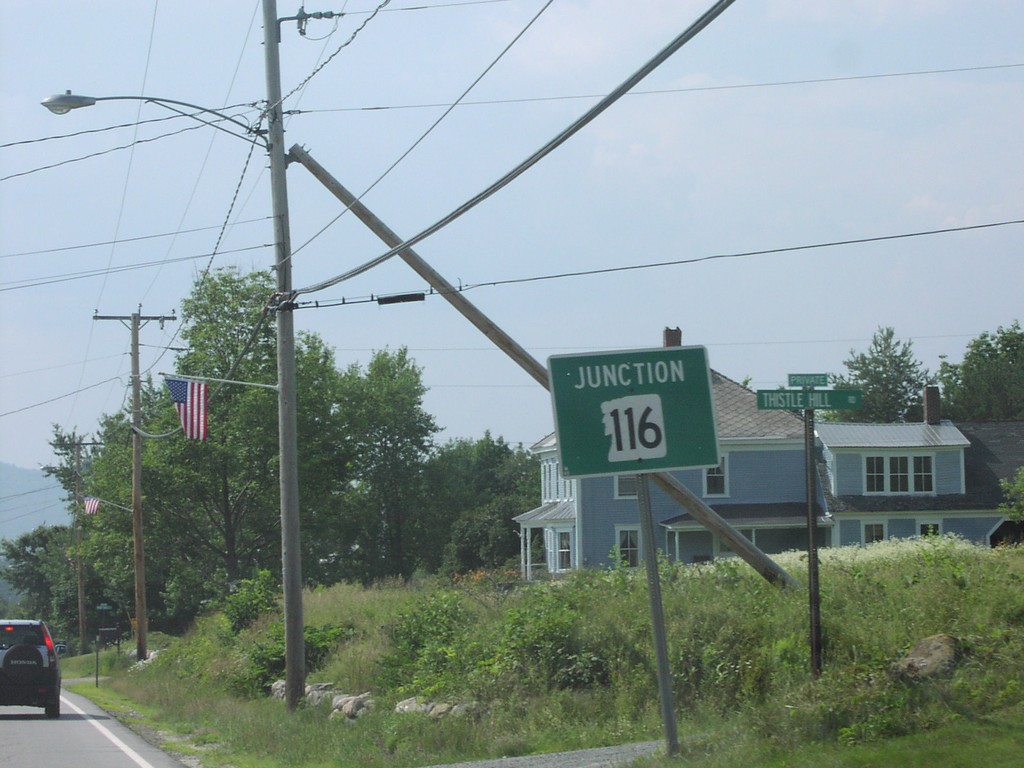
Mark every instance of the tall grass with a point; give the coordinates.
(569, 664)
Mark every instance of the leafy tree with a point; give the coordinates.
(989, 384)
(891, 378)
(1013, 490)
(380, 531)
(36, 565)
(211, 508)
(475, 489)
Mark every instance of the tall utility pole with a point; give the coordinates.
(291, 558)
(141, 621)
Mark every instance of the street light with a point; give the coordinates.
(291, 561)
(62, 103)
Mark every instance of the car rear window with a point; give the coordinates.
(14, 634)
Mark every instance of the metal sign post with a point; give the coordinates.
(637, 412)
(668, 707)
(807, 400)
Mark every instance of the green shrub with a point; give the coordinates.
(251, 599)
(265, 657)
(543, 644)
(426, 645)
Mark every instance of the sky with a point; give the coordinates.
(765, 190)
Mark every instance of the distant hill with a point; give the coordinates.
(28, 499)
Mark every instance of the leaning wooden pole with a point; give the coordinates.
(700, 511)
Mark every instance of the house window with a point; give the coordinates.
(898, 474)
(564, 550)
(714, 480)
(874, 532)
(922, 474)
(629, 547)
(930, 528)
(874, 479)
(625, 486)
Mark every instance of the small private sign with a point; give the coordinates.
(635, 411)
(808, 379)
(803, 399)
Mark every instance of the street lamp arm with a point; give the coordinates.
(61, 104)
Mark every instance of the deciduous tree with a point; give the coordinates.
(989, 384)
(891, 378)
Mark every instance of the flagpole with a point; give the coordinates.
(219, 381)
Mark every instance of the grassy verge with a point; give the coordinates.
(568, 665)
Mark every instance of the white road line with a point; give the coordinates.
(138, 759)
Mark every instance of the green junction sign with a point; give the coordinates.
(646, 410)
(810, 399)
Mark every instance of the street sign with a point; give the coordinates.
(808, 379)
(802, 399)
(647, 410)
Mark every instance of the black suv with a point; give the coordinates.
(29, 670)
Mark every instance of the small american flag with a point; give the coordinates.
(92, 505)
(190, 399)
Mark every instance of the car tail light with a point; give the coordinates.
(51, 651)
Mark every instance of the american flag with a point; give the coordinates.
(190, 399)
(92, 505)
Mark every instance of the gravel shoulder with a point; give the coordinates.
(598, 757)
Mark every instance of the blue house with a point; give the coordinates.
(759, 486)
(873, 482)
(936, 477)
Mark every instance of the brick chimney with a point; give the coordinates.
(932, 405)
(672, 337)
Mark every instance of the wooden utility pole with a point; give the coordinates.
(287, 408)
(141, 624)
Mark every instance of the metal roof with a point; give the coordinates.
(916, 435)
(550, 512)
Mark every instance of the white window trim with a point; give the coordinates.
(558, 549)
(619, 494)
(863, 529)
(639, 541)
(921, 521)
(885, 456)
(724, 464)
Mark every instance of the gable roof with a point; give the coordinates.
(996, 453)
(913, 435)
(737, 414)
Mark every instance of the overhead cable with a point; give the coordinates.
(695, 28)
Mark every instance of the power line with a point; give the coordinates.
(67, 277)
(657, 91)
(60, 397)
(50, 487)
(122, 240)
(130, 145)
(88, 131)
(577, 125)
(330, 303)
(54, 367)
(434, 125)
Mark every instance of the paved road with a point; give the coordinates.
(87, 737)
(84, 737)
